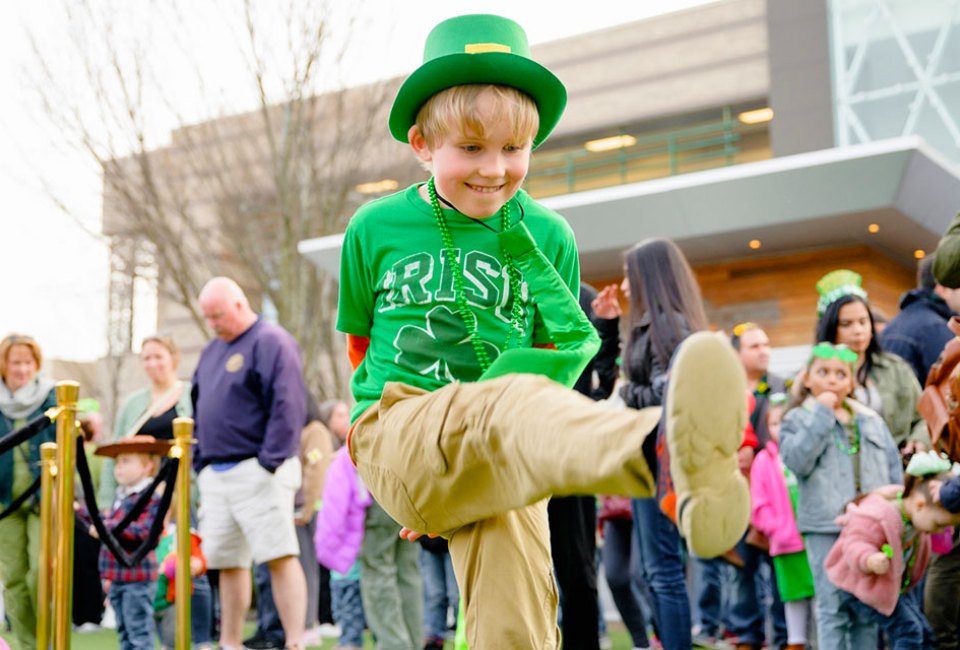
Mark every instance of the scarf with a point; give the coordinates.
(22, 403)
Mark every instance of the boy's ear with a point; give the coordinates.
(419, 144)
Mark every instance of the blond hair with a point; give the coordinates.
(455, 110)
(166, 341)
(18, 339)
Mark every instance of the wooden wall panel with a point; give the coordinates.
(779, 292)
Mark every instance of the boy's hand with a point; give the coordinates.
(196, 566)
(878, 563)
(412, 536)
(607, 303)
(93, 532)
(828, 399)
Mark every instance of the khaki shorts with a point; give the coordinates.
(246, 513)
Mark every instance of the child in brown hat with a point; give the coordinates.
(131, 589)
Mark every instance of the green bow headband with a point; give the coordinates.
(824, 350)
(926, 463)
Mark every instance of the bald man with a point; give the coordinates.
(249, 407)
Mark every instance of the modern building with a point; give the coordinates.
(773, 140)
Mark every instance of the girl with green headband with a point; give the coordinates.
(837, 448)
(884, 381)
(884, 548)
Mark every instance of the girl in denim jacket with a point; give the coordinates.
(837, 448)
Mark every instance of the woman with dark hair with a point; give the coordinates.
(665, 307)
(885, 382)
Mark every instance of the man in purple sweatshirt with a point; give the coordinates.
(249, 407)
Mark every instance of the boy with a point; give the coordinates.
(131, 589)
(458, 280)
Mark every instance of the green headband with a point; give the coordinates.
(837, 284)
(824, 350)
(926, 463)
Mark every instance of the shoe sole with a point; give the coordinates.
(706, 416)
(706, 401)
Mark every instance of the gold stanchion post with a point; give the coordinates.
(183, 437)
(67, 394)
(48, 473)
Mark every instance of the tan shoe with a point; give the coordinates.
(706, 414)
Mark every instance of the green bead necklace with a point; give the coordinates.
(517, 324)
(850, 447)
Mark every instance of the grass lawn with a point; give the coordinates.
(107, 640)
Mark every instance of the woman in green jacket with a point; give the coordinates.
(24, 396)
(885, 382)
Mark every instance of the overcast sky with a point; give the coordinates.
(54, 274)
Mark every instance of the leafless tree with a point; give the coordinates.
(233, 191)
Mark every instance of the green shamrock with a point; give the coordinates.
(442, 349)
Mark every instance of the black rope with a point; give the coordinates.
(136, 554)
(20, 500)
(25, 432)
(143, 500)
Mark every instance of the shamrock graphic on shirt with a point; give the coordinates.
(442, 349)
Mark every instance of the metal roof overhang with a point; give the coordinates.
(801, 202)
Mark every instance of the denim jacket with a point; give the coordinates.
(824, 472)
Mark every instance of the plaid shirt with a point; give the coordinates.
(134, 535)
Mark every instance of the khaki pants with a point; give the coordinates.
(476, 463)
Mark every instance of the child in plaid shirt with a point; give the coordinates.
(131, 589)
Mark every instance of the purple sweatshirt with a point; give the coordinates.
(249, 398)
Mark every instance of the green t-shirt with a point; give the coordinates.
(396, 289)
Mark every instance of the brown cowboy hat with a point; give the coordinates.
(135, 445)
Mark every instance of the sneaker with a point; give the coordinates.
(706, 411)
(433, 644)
(260, 642)
(312, 636)
(87, 628)
(109, 619)
(605, 642)
(329, 630)
(711, 642)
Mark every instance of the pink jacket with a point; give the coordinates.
(771, 510)
(865, 528)
(341, 516)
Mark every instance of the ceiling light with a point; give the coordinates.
(378, 187)
(608, 144)
(919, 253)
(757, 116)
(873, 228)
(754, 244)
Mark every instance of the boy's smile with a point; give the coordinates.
(478, 175)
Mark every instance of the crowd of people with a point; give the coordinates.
(462, 489)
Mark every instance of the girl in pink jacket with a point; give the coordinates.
(773, 494)
(884, 548)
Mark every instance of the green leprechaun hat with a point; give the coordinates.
(478, 49)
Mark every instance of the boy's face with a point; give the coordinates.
(130, 469)
(477, 175)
